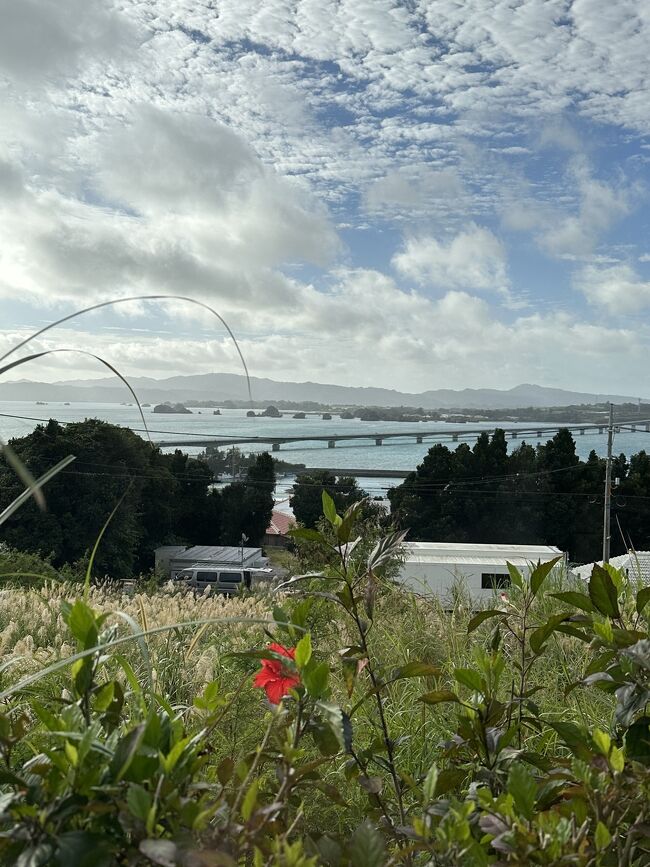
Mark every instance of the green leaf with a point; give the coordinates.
(329, 509)
(81, 622)
(103, 698)
(339, 722)
(438, 696)
(324, 737)
(430, 783)
(515, 576)
(350, 666)
(578, 600)
(642, 599)
(416, 669)
(84, 849)
(315, 677)
(523, 788)
(225, 770)
(575, 738)
(481, 616)
(602, 592)
(540, 573)
(469, 678)
(250, 799)
(8, 778)
(602, 837)
(307, 535)
(539, 636)
(448, 779)
(138, 801)
(125, 751)
(303, 651)
(366, 847)
(637, 741)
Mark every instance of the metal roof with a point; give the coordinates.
(466, 560)
(468, 554)
(220, 554)
(635, 563)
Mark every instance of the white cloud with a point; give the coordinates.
(573, 231)
(406, 340)
(181, 204)
(618, 289)
(415, 190)
(41, 37)
(166, 146)
(473, 259)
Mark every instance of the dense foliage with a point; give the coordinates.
(543, 495)
(517, 735)
(163, 498)
(308, 488)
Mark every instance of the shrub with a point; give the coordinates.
(398, 733)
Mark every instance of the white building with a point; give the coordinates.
(433, 568)
(635, 564)
(175, 558)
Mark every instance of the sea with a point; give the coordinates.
(18, 418)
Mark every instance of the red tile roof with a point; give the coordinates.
(280, 524)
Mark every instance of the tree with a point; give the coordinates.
(545, 495)
(248, 506)
(306, 500)
(112, 464)
(162, 498)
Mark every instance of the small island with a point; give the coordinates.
(176, 408)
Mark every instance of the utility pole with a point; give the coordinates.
(607, 535)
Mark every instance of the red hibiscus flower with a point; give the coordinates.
(274, 678)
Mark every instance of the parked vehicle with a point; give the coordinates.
(221, 579)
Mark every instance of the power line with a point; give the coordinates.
(372, 488)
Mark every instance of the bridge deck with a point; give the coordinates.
(536, 431)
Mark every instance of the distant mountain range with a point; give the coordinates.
(230, 386)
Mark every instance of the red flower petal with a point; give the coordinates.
(275, 691)
(274, 678)
(283, 651)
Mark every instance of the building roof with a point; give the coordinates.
(222, 554)
(466, 553)
(635, 563)
(280, 524)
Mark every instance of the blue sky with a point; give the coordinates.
(371, 192)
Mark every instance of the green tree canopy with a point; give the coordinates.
(306, 500)
(543, 495)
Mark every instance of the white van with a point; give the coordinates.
(220, 579)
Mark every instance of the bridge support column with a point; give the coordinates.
(454, 438)
(647, 427)
(539, 434)
(276, 447)
(379, 441)
(331, 444)
(582, 431)
(513, 435)
(632, 427)
(418, 439)
(600, 430)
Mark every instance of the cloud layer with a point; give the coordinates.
(365, 188)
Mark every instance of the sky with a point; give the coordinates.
(416, 194)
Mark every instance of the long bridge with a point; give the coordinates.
(419, 436)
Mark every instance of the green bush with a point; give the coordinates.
(392, 732)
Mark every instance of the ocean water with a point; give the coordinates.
(394, 454)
